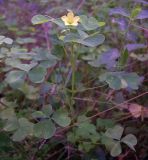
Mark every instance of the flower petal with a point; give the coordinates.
(70, 19)
(74, 23)
(70, 15)
(77, 18)
(65, 20)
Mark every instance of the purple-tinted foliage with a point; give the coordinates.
(45, 88)
(1, 1)
(29, 5)
(143, 14)
(131, 47)
(100, 154)
(47, 26)
(142, 1)
(146, 33)
(32, 8)
(21, 12)
(121, 22)
(119, 11)
(132, 36)
(107, 58)
(141, 79)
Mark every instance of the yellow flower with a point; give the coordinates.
(70, 19)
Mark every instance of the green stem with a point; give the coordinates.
(119, 67)
(73, 65)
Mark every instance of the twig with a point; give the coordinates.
(140, 27)
(90, 100)
(80, 5)
(56, 152)
(39, 148)
(3, 104)
(100, 113)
